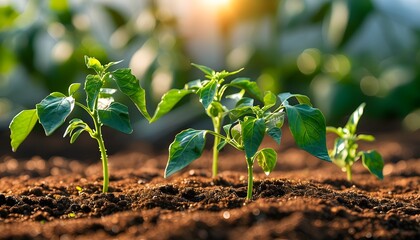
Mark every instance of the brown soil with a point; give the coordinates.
(304, 198)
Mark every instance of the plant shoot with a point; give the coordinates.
(53, 110)
(344, 152)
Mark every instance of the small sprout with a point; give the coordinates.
(344, 153)
(94, 64)
(53, 110)
(71, 215)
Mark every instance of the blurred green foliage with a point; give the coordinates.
(340, 53)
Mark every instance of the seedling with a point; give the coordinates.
(210, 92)
(246, 132)
(345, 153)
(53, 110)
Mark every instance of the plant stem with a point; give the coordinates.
(217, 128)
(104, 159)
(250, 180)
(102, 149)
(348, 171)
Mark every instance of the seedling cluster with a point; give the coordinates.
(254, 115)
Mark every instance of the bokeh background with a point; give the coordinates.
(340, 53)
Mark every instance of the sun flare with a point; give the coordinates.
(216, 3)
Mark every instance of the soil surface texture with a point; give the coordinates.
(304, 198)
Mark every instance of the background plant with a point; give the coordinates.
(210, 92)
(53, 110)
(344, 153)
(250, 123)
(364, 55)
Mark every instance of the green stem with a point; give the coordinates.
(229, 141)
(217, 128)
(104, 158)
(348, 171)
(84, 108)
(105, 170)
(250, 180)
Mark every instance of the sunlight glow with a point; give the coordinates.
(216, 3)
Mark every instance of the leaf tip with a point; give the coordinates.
(152, 120)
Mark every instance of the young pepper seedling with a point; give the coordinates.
(344, 153)
(246, 132)
(210, 92)
(53, 110)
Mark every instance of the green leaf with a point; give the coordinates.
(194, 85)
(266, 159)
(275, 120)
(275, 134)
(130, 86)
(227, 128)
(73, 88)
(236, 96)
(354, 119)
(20, 127)
(339, 154)
(223, 74)
(93, 86)
(270, 100)
(53, 111)
(76, 135)
(108, 65)
(168, 101)
(253, 131)
(116, 116)
(236, 134)
(107, 92)
(302, 99)
(307, 125)
(245, 102)
(73, 124)
(207, 93)
(249, 86)
(187, 147)
(93, 63)
(373, 161)
(237, 113)
(204, 69)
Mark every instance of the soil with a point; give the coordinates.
(304, 198)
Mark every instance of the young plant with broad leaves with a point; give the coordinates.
(344, 152)
(249, 124)
(210, 92)
(53, 110)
